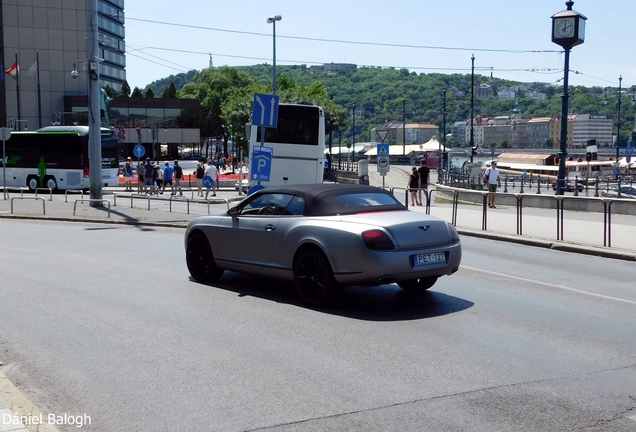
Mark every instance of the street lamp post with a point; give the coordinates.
(618, 119)
(439, 153)
(568, 31)
(339, 146)
(273, 22)
(472, 107)
(403, 127)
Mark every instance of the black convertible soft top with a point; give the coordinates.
(327, 199)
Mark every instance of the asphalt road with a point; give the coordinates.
(104, 320)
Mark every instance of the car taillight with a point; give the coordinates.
(87, 172)
(377, 240)
(453, 233)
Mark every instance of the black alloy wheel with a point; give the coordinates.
(314, 279)
(200, 260)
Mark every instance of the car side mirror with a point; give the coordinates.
(233, 212)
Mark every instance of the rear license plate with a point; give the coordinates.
(431, 258)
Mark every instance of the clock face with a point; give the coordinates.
(564, 28)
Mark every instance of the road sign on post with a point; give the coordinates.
(383, 159)
(261, 163)
(265, 110)
(382, 134)
(139, 151)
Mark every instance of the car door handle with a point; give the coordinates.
(270, 227)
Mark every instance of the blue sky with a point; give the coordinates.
(509, 37)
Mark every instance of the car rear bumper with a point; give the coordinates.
(366, 267)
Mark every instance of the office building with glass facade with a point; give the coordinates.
(48, 40)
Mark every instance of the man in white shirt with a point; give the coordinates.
(491, 178)
(212, 172)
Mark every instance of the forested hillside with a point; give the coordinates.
(380, 95)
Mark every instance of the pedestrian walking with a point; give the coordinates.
(158, 178)
(149, 177)
(212, 171)
(413, 184)
(424, 172)
(140, 176)
(493, 180)
(198, 173)
(128, 172)
(178, 175)
(168, 172)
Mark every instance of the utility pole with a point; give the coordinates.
(94, 117)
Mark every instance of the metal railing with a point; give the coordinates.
(520, 202)
(29, 197)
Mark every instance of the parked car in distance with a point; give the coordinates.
(323, 237)
(625, 192)
(569, 185)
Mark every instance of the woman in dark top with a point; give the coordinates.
(413, 185)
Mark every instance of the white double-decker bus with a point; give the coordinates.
(298, 144)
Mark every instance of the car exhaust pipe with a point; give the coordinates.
(386, 280)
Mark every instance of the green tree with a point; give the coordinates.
(137, 93)
(214, 88)
(125, 89)
(170, 91)
(149, 93)
(109, 91)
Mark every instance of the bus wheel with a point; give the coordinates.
(50, 182)
(33, 182)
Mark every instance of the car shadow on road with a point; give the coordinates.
(380, 303)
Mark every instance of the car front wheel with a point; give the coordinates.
(200, 260)
(417, 285)
(314, 279)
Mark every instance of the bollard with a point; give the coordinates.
(506, 184)
(576, 185)
(521, 191)
(596, 182)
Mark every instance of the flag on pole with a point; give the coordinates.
(14, 70)
(32, 69)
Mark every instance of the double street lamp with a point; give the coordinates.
(273, 22)
(618, 115)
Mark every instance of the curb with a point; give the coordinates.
(19, 407)
(555, 245)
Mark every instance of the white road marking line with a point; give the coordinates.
(563, 287)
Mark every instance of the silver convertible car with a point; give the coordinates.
(323, 237)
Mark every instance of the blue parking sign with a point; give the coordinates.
(261, 166)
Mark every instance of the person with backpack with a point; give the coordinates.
(178, 175)
(158, 178)
(199, 172)
(149, 177)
